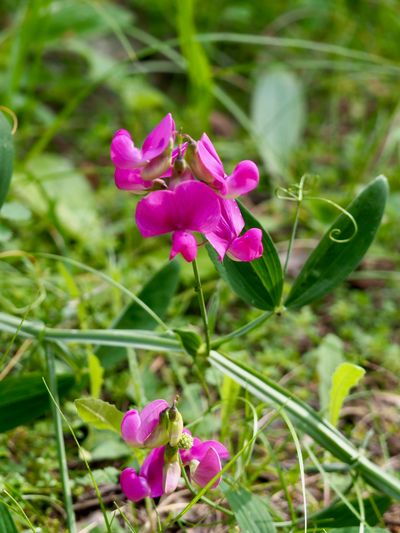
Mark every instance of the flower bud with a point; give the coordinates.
(175, 426)
(185, 442)
(172, 469)
(158, 166)
(195, 165)
(160, 435)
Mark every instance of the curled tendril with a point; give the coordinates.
(13, 116)
(337, 231)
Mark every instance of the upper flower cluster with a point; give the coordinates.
(187, 191)
(160, 427)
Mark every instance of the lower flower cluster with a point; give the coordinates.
(161, 470)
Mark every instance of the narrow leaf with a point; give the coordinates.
(329, 356)
(25, 398)
(344, 378)
(6, 157)
(6, 521)
(331, 262)
(100, 414)
(96, 372)
(260, 282)
(250, 511)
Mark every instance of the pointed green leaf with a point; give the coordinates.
(331, 262)
(6, 521)
(344, 378)
(250, 511)
(157, 294)
(100, 414)
(260, 282)
(25, 398)
(190, 341)
(6, 157)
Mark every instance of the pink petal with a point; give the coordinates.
(247, 247)
(130, 428)
(206, 143)
(172, 476)
(150, 417)
(184, 243)
(159, 139)
(199, 449)
(243, 179)
(133, 486)
(229, 226)
(130, 180)
(156, 214)
(197, 207)
(124, 154)
(232, 216)
(207, 468)
(152, 471)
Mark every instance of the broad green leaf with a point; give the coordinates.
(100, 414)
(25, 398)
(260, 282)
(190, 341)
(96, 372)
(344, 378)
(6, 157)
(331, 262)
(250, 511)
(278, 116)
(6, 521)
(157, 294)
(339, 515)
(307, 420)
(329, 356)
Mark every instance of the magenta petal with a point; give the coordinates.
(229, 226)
(232, 216)
(206, 143)
(208, 467)
(156, 214)
(130, 428)
(243, 179)
(150, 417)
(159, 139)
(197, 207)
(130, 180)
(172, 476)
(199, 449)
(152, 470)
(133, 486)
(247, 247)
(124, 154)
(184, 243)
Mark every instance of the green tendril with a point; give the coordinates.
(337, 231)
(12, 115)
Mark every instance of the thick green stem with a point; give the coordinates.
(62, 458)
(202, 304)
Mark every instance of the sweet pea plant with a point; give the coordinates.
(186, 192)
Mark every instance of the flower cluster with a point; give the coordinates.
(160, 427)
(186, 191)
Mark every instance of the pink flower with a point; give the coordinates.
(147, 429)
(225, 237)
(191, 206)
(151, 161)
(149, 481)
(207, 166)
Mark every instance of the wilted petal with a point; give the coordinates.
(152, 470)
(207, 468)
(124, 154)
(184, 243)
(150, 418)
(172, 474)
(243, 179)
(197, 207)
(156, 214)
(130, 180)
(159, 139)
(133, 486)
(130, 426)
(247, 247)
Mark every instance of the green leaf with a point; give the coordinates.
(157, 294)
(25, 398)
(190, 341)
(100, 414)
(96, 372)
(250, 511)
(278, 115)
(6, 521)
(260, 282)
(329, 355)
(344, 378)
(331, 262)
(339, 515)
(6, 157)
(307, 420)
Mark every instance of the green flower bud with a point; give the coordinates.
(185, 442)
(175, 426)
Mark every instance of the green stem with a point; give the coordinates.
(62, 458)
(200, 296)
(243, 330)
